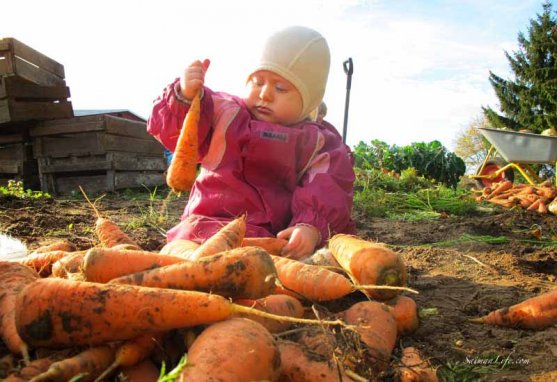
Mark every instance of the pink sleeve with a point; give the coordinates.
(168, 113)
(324, 197)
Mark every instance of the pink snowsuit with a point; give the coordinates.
(278, 176)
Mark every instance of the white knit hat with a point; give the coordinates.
(300, 55)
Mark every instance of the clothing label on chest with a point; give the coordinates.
(274, 136)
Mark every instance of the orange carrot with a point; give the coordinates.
(216, 356)
(534, 206)
(272, 245)
(246, 272)
(502, 202)
(145, 371)
(179, 248)
(369, 263)
(108, 232)
(405, 312)
(13, 278)
(501, 187)
(59, 245)
(183, 167)
(377, 329)
(542, 207)
(298, 365)
(36, 367)
(104, 264)
(278, 304)
(42, 261)
(56, 313)
(310, 281)
(536, 313)
(414, 368)
(132, 352)
(68, 265)
(89, 363)
(547, 192)
(228, 237)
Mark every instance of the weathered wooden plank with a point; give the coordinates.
(16, 151)
(39, 59)
(98, 183)
(67, 126)
(129, 144)
(126, 127)
(13, 87)
(34, 74)
(11, 138)
(135, 179)
(11, 110)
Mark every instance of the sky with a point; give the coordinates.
(421, 67)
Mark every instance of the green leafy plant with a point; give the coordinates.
(174, 373)
(15, 189)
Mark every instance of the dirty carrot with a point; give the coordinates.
(245, 272)
(108, 232)
(278, 304)
(132, 352)
(369, 263)
(36, 367)
(310, 281)
(501, 187)
(377, 329)
(104, 264)
(230, 236)
(405, 312)
(183, 167)
(144, 371)
(534, 206)
(414, 368)
(57, 313)
(216, 356)
(13, 278)
(272, 245)
(536, 313)
(179, 248)
(42, 261)
(59, 245)
(298, 364)
(68, 265)
(542, 207)
(89, 364)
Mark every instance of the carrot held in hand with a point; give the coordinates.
(57, 313)
(183, 167)
(369, 263)
(536, 313)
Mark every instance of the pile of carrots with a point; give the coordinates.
(236, 308)
(539, 198)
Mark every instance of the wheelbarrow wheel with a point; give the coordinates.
(490, 168)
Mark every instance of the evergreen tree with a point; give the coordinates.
(530, 101)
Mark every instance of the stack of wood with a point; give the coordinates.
(32, 88)
(540, 198)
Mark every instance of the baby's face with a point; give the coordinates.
(271, 98)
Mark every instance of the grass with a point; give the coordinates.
(16, 189)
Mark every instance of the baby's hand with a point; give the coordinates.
(193, 78)
(302, 240)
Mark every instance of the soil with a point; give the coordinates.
(457, 277)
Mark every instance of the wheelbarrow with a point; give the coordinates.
(512, 150)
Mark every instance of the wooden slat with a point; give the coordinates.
(94, 184)
(129, 144)
(36, 75)
(29, 54)
(126, 127)
(13, 87)
(11, 110)
(68, 126)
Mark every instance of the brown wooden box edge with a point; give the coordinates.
(19, 59)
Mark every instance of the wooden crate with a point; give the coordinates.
(32, 86)
(100, 153)
(18, 59)
(16, 159)
(24, 101)
(101, 173)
